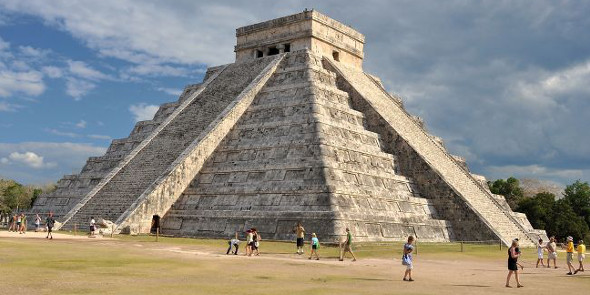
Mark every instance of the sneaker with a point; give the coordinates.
(410, 280)
(354, 260)
(317, 259)
(309, 258)
(575, 272)
(569, 273)
(405, 279)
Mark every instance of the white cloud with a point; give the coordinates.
(52, 72)
(82, 70)
(3, 44)
(34, 52)
(62, 133)
(58, 159)
(30, 159)
(4, 161)
(77, 88)
(158, 70)
(28, 83)
(81, 124)
(560, 175)
(143, 111)
(8, 107)
(171, 91)
(98, 136)
(151, 33)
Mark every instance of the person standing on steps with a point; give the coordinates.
(513, 255)
(347, 247)
(49, 222)
(300, 232)
(407, 259)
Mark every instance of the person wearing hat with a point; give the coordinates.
(570, 255)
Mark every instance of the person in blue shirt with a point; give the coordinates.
(315, 245)
(407, 259)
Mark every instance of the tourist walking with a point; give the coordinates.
(315, 246)
(347, 246)
(256, 238)
(581, 256)
(49, 222)
(249, 242)
(552, 252)
(540, 249)
(37, 222)
(300, 233)
(513, 255)
(570, 255)
(92, 227)
(13, 223)
(23, 224)
(235, 243)
(407, 259)
(18, 221)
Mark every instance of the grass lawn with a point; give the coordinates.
(138, 265)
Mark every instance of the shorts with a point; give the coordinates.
(512, 265)
(581, 257)
(570, 257)
(347, 248)
(49, 229)
(552, 255)
(410, 266)
(92, 228)
(315, 247)
(299, 242)
(540, 255)
(18, 224)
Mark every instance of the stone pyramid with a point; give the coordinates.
(294, 130)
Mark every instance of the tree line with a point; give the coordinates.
(17, 197)
(559, 216)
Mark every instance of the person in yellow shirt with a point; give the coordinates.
(570, 255)
(581, 255)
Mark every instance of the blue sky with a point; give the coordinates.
(504, 83)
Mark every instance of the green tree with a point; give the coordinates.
(510, 189)
(565, 222)
(538, 209)
(578, 196)
(16, 196)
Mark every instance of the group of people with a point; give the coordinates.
(551, 247)
(18, 223)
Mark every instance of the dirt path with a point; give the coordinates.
(291, 273)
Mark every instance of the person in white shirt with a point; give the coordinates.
(92, 227)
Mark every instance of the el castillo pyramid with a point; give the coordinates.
(294, 130)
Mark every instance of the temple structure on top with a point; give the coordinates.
(292, 131)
